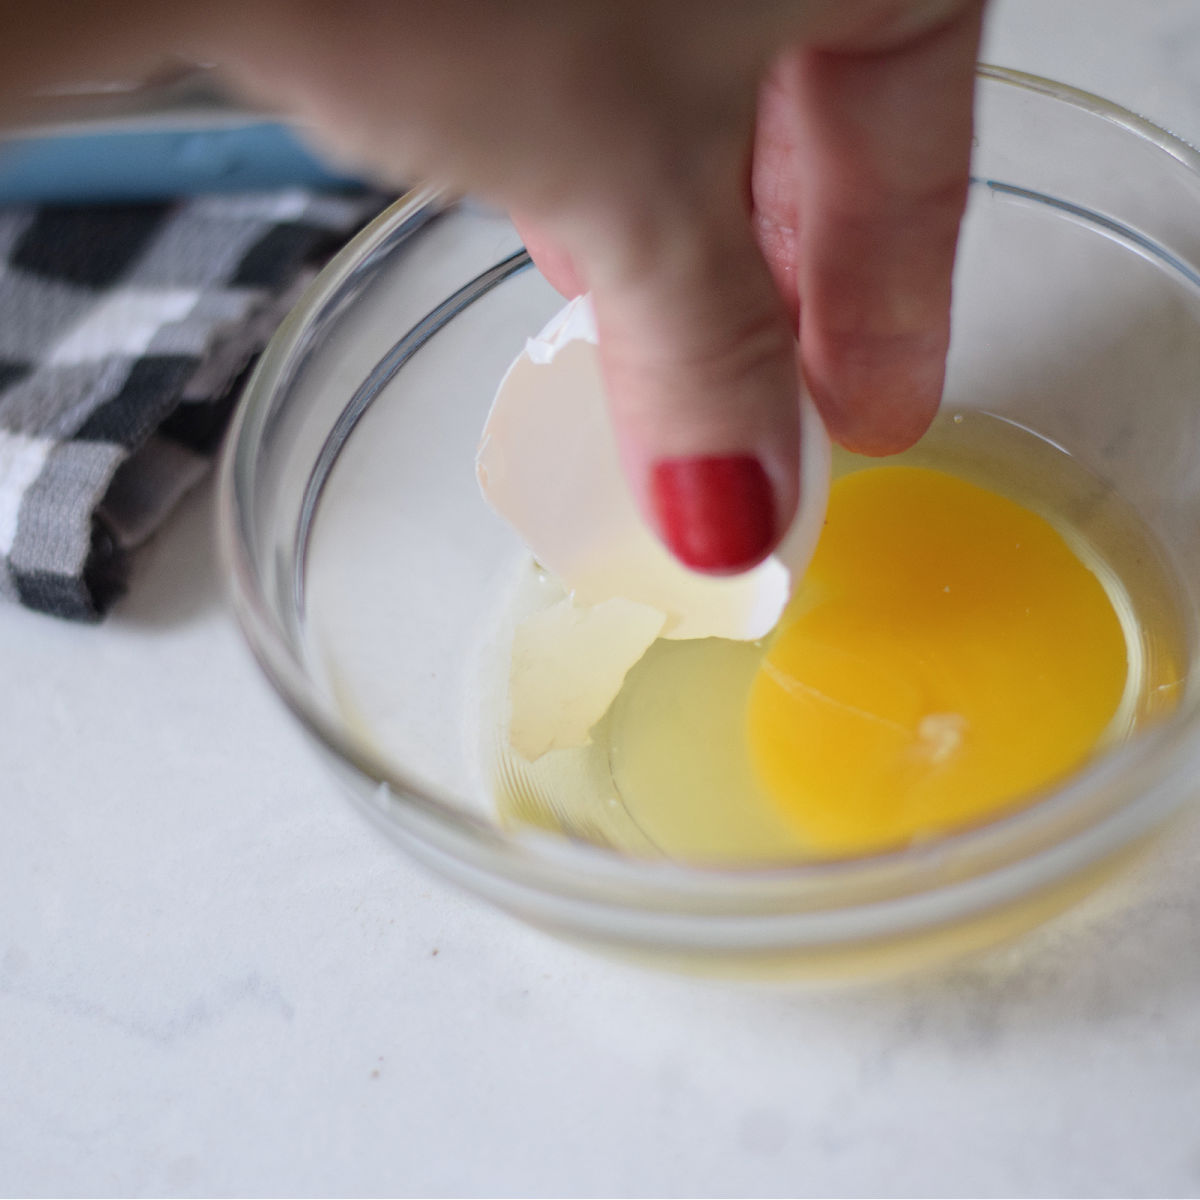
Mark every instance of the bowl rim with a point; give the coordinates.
(1012, 855)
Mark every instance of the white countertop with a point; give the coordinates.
(214, 978)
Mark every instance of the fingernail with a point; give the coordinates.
(717, 514)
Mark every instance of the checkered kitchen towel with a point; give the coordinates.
(124, 331)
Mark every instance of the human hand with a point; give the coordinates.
(726, 179)
(858, 179)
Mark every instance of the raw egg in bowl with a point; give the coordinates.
(965, 703)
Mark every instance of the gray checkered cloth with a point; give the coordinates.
(124, 332)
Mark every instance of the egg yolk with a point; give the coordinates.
(947, 655)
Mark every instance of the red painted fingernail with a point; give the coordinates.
(716, 514)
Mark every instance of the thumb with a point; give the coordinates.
(700, 367)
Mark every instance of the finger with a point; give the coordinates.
(700, 368)
(884, 139)
(551, 257)
(775, 188)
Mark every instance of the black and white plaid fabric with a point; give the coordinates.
(124, 331)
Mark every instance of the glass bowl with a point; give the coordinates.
(366, 568)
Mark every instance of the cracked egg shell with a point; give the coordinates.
(548, 464)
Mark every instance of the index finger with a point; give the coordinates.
(883, 142)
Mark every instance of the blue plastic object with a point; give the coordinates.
(131, 164)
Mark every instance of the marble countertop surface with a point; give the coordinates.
(215, 978)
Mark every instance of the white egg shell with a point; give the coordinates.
(547, 463)
(552, 708)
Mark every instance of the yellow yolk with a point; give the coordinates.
(947, 655)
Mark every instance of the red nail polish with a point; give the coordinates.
(717, 514)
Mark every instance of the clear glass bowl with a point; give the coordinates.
(366, 568)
